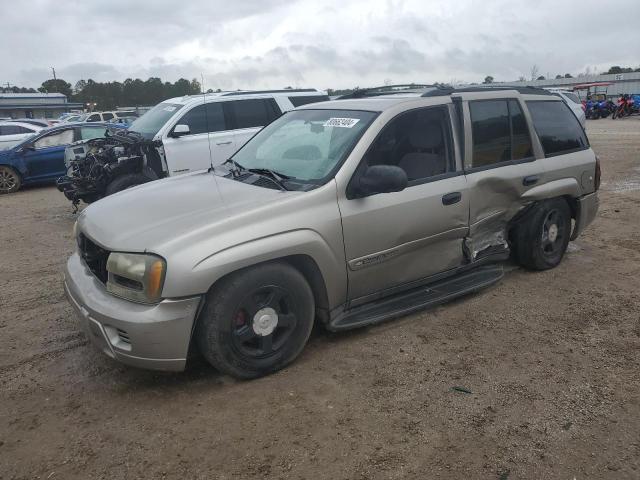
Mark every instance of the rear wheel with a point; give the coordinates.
(125, 181)
(256, 321)
(9, 180)
(542, 239)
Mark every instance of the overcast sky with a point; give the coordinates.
(323, 44)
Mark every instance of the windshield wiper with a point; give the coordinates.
(278, 178)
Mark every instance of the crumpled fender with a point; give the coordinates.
(555, 188)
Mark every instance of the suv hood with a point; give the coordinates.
(148, 217)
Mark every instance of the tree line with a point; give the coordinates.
(109, 95)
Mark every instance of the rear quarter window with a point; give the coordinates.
(557, 127)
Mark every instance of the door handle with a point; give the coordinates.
(530, 180)
(223, 143)
(451, 198)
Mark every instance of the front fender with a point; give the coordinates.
(307, 242)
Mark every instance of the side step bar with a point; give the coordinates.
(417, 298)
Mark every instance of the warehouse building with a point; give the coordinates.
(621, 83)
(35, 105)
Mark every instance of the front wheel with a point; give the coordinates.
(541, 240)
(9, 180)
(256, 321)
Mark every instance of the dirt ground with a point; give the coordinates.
(551, 360)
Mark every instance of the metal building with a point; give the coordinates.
(621, 83)
(35, 105)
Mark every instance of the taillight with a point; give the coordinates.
(596, 179)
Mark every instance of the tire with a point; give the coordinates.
(239, 341)
(542, 238)
(10, 180)
(125, 181)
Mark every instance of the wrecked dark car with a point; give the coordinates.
(102, 166)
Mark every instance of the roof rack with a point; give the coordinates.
(286, 90)
(443, 91)
(387, 90)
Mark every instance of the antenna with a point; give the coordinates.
(206, 119)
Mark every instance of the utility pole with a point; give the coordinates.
(54, 79)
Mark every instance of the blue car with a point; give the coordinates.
(40, 158)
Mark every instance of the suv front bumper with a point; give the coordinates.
(155, 336)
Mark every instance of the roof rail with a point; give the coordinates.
(285, 90)
(387, 90)
(449, 90)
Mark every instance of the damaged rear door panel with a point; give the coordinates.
(500, 161)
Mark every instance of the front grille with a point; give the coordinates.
(94, 256)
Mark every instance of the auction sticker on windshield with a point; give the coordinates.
(341, 122)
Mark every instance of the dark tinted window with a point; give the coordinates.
(557, 127)
(13, 130)
(521, 140)
(491, 132)
(94, 118)
(196, 120)
(252, 113)
(417, 142)
(107, 116)
(297, 101)
(500, 132)
(215, 117)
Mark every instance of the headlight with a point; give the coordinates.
(135, 276)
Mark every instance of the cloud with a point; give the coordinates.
(275, 43)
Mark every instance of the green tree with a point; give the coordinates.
(56, 86)
(568, 75)
(541, 77)
(488, 79)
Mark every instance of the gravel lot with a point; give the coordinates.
(551, 360)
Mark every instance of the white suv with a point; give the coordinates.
(177, 136)
(200, 130)
(573, 101)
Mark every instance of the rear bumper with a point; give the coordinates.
(586, 213)
(155, 337)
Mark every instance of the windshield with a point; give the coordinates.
(151, 122)
(305, 145)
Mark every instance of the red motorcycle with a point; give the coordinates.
(624, 107)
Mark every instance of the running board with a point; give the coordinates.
(418, 298)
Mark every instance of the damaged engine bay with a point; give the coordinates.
(102, 166)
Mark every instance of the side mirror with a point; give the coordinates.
(180, 130)
(381, 179)
(28, 147)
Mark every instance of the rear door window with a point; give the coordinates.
(251, 113)
(557, 127)
(107, 116)
(500, 132)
